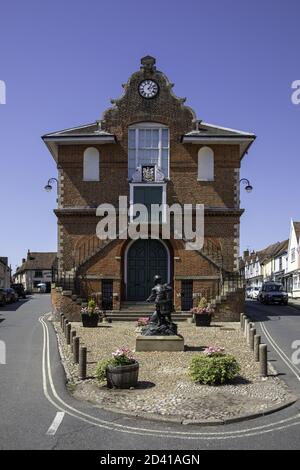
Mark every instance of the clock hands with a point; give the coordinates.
(148, 89)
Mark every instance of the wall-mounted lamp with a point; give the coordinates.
(49, 186)
(248, 186)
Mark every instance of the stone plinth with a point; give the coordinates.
(159, 343)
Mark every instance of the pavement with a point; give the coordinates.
(294, 303)
(37, 412)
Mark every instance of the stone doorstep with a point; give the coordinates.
(159, 343)
(67, 293)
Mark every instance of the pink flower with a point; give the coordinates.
(211, 350)
(143, 321)
(123, 352)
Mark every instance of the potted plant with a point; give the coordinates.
(121, 371)
(203, 313)
(90, 315)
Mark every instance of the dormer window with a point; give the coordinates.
(148, 145)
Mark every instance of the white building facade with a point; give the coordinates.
(36, 269)
(292, 274)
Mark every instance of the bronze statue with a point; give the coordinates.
(161, 322)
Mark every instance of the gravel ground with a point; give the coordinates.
(164, 386)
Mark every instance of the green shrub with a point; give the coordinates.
(213, 370)
(91, 304)
(101, 369)
(202, 303)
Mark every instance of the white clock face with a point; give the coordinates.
(148, 89)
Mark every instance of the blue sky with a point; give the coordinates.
(62, 61)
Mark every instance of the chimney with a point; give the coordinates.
(245, 254)
(28, 254)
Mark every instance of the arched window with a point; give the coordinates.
(148, 144)
(205, 164)
(91, 161)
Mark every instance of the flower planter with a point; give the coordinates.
(202, 319)
(122, 376)
(90, 321)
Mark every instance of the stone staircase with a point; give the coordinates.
(130, 311)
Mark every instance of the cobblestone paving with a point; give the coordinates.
(164, 386)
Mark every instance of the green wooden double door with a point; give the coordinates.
(145, 259)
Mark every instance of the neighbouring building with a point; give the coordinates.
(5, 273)
(35, 269)
(292, 274)
(150, 147)
(278, 262)
(264, 265)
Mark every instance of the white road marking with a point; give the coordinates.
(190, 435)
(56, 423)
(279, 351)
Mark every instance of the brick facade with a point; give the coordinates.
(78, 199)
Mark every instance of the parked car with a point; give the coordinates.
(2, 297)
(42, 288)
(19, 289)
(11, 296)
(254, 292)
(247, 292)
(272, 292)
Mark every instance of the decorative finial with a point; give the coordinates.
(148, 63)
(197, 124)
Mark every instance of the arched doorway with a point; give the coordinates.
(144, 259)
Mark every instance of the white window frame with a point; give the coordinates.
(147, 185)
(151, 125)
(212, 153)
(293, 255)
(97, 176)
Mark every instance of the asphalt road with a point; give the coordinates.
(36, 411)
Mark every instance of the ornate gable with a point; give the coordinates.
(165, 107)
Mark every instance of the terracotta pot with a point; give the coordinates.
(122, 376)
(90, 321)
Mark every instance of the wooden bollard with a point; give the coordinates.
(68, 333)
(256, 347)
(249, 326)
(242, 320)
(246, 323)
(263, 360)
(76, 349)
(82, 362)
(73, 334)
(65, 326)
(252, 333)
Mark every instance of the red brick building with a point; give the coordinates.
(150, 147)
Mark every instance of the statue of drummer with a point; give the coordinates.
(161, 295)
